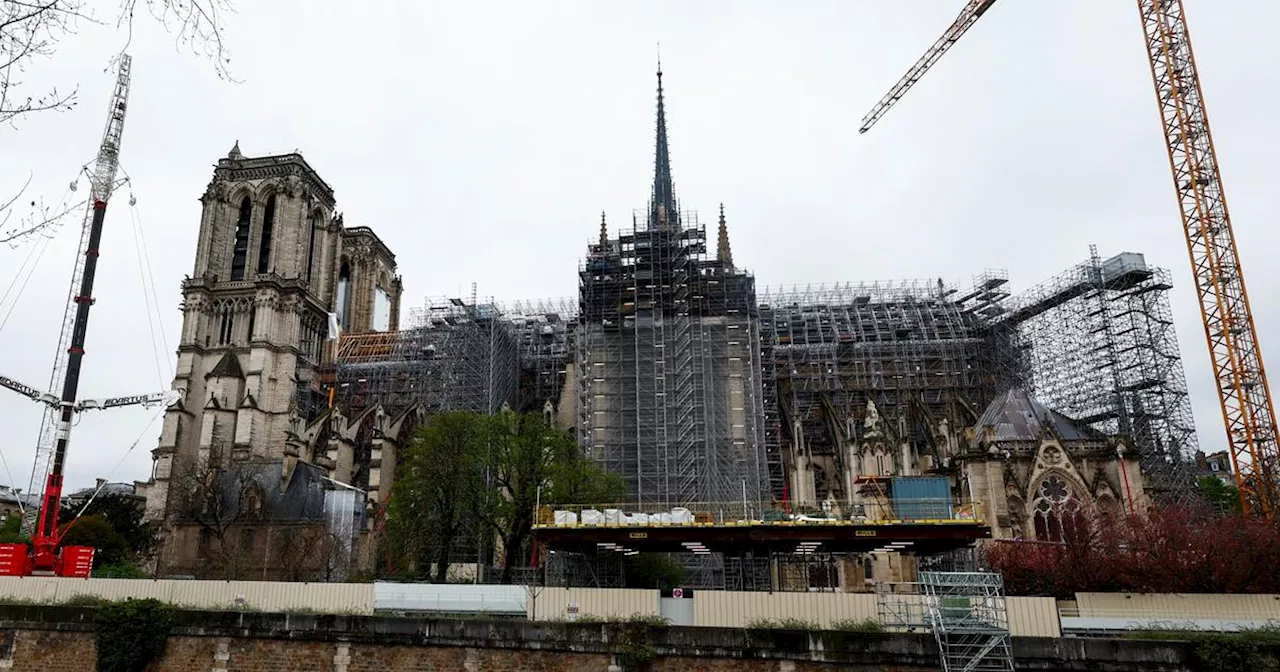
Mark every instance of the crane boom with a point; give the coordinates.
(45, 540)
(102, 181)
(1243, 392)
(968, 16)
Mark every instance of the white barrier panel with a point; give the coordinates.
(450, 599)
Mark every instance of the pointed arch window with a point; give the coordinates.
(1056, 514)
(311, 245)
(241, 248)
(344, 295)
(268, 224)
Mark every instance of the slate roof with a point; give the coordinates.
(227, 367)
(1015, 416)
(303, 500)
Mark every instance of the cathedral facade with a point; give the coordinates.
(277, 277)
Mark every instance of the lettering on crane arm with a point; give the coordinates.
(135, 399)
(19, 387)
(167, 397)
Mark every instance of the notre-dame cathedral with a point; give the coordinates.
(277, 277)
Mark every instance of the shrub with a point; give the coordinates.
(1174, 550)
(132, 634)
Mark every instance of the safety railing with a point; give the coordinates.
(897, 512)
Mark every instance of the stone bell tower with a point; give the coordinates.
(256, 314)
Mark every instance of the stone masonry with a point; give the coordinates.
(61, 639)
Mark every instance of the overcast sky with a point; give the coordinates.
(481, 140)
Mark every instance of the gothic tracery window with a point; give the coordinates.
(1056, 512)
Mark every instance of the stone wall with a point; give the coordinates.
(61, 639)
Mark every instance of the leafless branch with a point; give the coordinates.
(30, 30)
(41, 219)
(195, 24)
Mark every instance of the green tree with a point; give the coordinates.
(95, 531)
(125, 515)
(11, 530)
(439, 483)
(653, 570)
(1218, 494)
(467, 471)
(529, 460)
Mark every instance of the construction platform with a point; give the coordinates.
(935, 529)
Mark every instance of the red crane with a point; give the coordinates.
(44, 556)
(1245, 397)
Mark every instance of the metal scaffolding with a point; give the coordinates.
(543, 331)
(918, 349)
(1104, 352)
(965, 611)
(457, 356)
(668, 368)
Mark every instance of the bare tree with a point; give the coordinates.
(220, 502)
(31, 30)
(310, 552)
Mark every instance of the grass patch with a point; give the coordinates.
(855, 625)
(843, 625)
(782, 624)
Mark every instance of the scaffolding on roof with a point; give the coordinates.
(457, 356)
(918, 349)
(824, 293)
(543, 330)
(1104, 352)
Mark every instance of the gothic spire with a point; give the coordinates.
(604, 234)
(663, 211)
(723, 254)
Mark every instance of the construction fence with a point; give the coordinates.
(1028, 616)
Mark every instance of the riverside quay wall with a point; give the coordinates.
(63, 639)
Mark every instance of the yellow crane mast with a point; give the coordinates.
(1247, 410)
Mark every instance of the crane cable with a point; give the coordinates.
(42, 244)
(141, 436)
(28, 267)
(159, 342)
(158, 339)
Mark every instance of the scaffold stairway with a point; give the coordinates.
(966, 612)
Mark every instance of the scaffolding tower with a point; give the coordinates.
(668, 368)
(965, 611)
(1104, 352)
